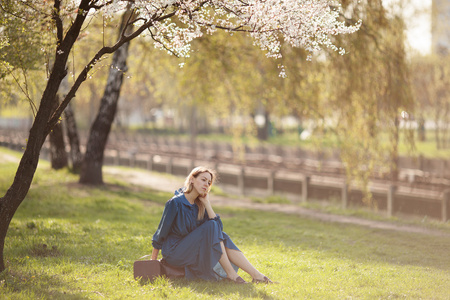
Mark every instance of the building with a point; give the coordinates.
(440, 27)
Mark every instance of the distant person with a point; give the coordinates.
(190, 235)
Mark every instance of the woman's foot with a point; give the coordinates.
(265, 279)
(237, 280)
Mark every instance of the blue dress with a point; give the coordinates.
(187, 242)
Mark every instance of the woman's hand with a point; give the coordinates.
(204, 199)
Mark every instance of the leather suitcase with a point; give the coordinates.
(147, 269)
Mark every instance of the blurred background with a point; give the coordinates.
(376, 118)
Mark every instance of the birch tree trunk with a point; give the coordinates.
(72, 133)
(58, 155)
(91, 167)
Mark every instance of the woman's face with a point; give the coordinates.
(202, 182)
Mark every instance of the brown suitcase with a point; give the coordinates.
(147, 269)
(150, 269)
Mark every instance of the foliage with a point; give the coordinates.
(431, 81)
(68, 242)
(373, 93)
(25, 41)
(26, 38)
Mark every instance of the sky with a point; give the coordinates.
(419, 26)
(418, 21)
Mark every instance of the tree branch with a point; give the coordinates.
(58, 22)
(24, 90)
(26, 3)
(105, 50)
(97, 7)
(13, 14)
(75, 28)
(162, 44)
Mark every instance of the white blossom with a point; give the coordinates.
(309, 24)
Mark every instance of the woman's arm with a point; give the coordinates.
(155, 253)
(165, 225)
(211, 214)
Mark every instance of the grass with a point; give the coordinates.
(333, 206)
(271, 199)
(68, 241)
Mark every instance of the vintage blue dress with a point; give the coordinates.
(190, 243)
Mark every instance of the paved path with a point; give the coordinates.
(169, 183)
(5, 158)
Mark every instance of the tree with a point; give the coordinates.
(91, 167)
(58, 155)
(72, 134)
(172, 25)
(23, 41)
(372, 93)
(431, 80)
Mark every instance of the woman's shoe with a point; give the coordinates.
(264, 280)
(238, 280)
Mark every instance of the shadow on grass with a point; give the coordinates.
(36, 286)
(217, 290)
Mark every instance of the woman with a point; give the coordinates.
(190, 235)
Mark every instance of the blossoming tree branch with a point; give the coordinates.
(173, 25)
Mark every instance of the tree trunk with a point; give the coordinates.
(91, 168)
(445, 128)
(28, 164)
(394, 151)
(263, 131)
(72, 133)
(58, 155)
(193, 130)
(437, 127)
(421, 129)
(40, 128)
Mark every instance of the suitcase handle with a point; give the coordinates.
(145, 256)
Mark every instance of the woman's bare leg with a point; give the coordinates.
(238, 258)
(226, 265)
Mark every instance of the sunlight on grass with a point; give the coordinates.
(69, 241)
(271, 199)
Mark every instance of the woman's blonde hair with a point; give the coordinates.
(188, 186)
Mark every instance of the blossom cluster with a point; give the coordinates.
(309, 24)
(173, 24)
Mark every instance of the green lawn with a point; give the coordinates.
(93, 235)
